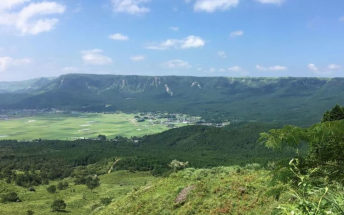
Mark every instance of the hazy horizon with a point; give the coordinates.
(248, 77)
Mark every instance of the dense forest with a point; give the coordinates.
(201, 146)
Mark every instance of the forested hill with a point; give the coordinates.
(285, 100)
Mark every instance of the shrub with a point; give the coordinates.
(30, 212)
(58, 205)
(92, 182)
(62, 185)
(106, 201)
(10, 197)
(51, 189)
(178, 165)
(101, 137)
(308, 198)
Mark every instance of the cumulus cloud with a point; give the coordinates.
(186, 43)
(9, 4)
(211, 6)
(270, 1)
(271, 68)
(95, 57)
(134, 7)
(177, 64)
(9, 62)
(137, 58)
(30, 18)
(118, 36)
(236, 34)
(312, 67)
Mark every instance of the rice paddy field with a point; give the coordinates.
(79, 125)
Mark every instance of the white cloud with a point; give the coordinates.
(118, 36)
(312, 67)
(186, 43)
(235, 69)
(222, 54)
(271, 68)
(137, 58)
(236, 34)
(333, 67)
(8, 62)
(134, 7)
(210, 6)
(177, 64)
(174, 28)
(9, 4)
(326, 71)
(95, 57)
(270, 1)
(30, 18)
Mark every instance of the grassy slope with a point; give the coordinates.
(220, 190)
(71, 126)
(79, 199)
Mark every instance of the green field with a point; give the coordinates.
(217, 191)
(78, 125)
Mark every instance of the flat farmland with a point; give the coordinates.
(80, 125)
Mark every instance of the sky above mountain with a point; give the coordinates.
(237, 38)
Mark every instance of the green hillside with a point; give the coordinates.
(221, 190)
(287, 100)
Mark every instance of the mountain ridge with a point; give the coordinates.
(284, 99)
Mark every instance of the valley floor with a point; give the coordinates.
(77, 125)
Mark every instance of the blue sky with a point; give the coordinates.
(237, 38)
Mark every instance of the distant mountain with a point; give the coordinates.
(287, 100)
(23, 86)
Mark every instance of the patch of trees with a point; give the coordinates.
(336, 113)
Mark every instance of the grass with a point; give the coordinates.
(79, 199)
(80, 125)
(221, 190)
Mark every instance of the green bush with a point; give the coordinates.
(92, 182)
(62, 185)
(10, 197)
(105, 201)
(58, 205)
(30, 212)
(51, 189)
